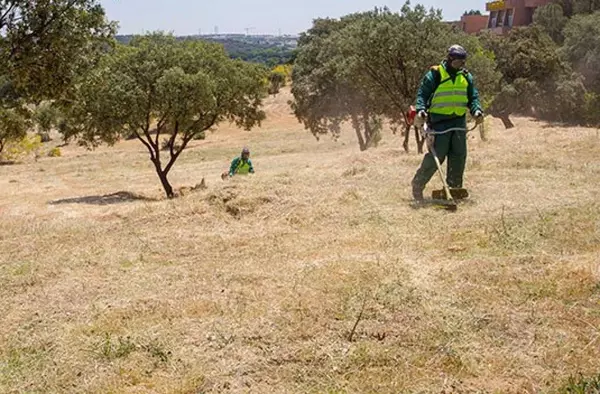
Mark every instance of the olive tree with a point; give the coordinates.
(325, 93)
(369, 65)
(160, 87)
(45, 47)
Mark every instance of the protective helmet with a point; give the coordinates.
(246, 151)
(457, 52)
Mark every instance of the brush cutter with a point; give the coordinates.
(450, 203)
(456, 193)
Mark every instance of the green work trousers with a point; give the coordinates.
(452, 145)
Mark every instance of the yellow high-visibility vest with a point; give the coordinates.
(450, 97)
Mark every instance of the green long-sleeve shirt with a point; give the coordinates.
(429, 85)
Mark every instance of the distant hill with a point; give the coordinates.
(267, 50)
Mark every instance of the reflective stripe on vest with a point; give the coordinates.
(450, 97)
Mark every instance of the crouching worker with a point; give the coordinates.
(241, 165)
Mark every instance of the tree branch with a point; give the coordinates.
(146, 128)
(186, 140)
(173, 138)
(393, 67)
(162, 121)
(42, 29)
(139, 137)
(384, 86)
(211, 123)
(11, 6)
(155, 151)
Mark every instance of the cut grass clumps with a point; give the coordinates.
(112, 347)
(565, 231)
(314, 275)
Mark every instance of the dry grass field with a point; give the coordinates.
(316, 275)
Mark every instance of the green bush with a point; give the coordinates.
(22, 148)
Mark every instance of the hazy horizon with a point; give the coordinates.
(188, 17)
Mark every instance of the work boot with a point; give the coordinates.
(459, 193)
(417, 192)
(456, 193)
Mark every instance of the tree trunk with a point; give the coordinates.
(406, 138)
(420, 140)
(361, 140)
(166, 185)
(162, 175)
(368, 131)
(505, 118)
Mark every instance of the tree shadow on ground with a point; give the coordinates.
(107, 199)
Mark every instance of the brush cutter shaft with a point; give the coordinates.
(441, 173)
(452, 129)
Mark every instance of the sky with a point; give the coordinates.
(187, 17)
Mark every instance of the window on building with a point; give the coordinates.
(529, 15)
(510, 14)
(492, 22)
(500, 19)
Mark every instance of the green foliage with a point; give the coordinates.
(270, 53)
(315, 86)
(285, 69)
(582, 48)
(369, 65)
(580, 34)
(585, 6)
(527, 53)
(279, 77)
(472, 12)
(574, 7)
(551, 19)
(21, 148)
(482, 65)
(325, 93)
(592, 103)
(46, 116)
(160, 86)
(13, 129)
(277, 80)
(254, 50)
(47, 45)
(535, 80)
(200, 136)
(387, 53)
